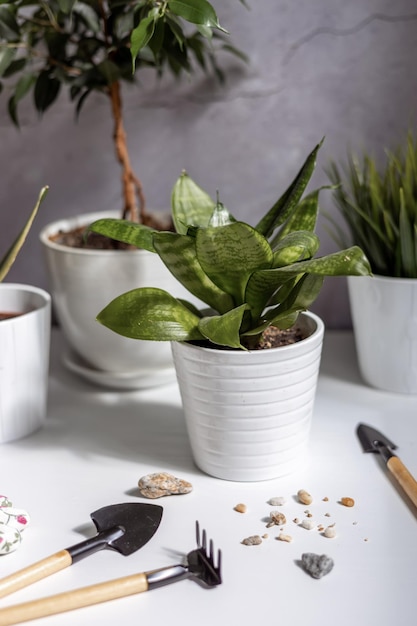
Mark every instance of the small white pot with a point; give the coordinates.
(24, 360)
(82, 283)
(384, 317)
(248, 414)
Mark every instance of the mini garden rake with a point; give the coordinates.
(201, 563)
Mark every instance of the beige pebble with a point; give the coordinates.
(304, 497)
(253, 540)
(276, 518)
(347, 501)
(277, 501)
(330, 532)
(284, 537)
(241, 508)
(308, 524)
(163, 484)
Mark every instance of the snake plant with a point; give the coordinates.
(251, 277)
(8, 259)
(380, 209)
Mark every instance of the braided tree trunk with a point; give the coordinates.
(134, 200)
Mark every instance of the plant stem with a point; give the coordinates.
(132, 187)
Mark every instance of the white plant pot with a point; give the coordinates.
(384, 317)
(248, 414)
(24, 360)
(82, 283)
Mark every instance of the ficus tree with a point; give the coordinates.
(96, 46)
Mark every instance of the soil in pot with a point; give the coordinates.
(6, 315)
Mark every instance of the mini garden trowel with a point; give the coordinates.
(374, 441)
(123, 527)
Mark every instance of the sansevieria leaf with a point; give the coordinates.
(288, 201)
(151, 314)
(224, 330)
(129, 232)
(7, 261)
(230, 254)
(191, 206)
(178, 252)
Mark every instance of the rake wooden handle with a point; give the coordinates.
(403, 476)
(36, 571)
(78, 598)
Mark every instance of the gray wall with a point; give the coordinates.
(344, 69)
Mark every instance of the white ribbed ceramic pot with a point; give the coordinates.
(248, 414)
(384, 317)
(24, 360)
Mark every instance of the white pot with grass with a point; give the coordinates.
(384, 317)
(379, 206)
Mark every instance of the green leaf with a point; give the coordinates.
(224, 330)
(46, 91)
(178, 252)
(109, 70)
(9, 28)
(283, 208)
(128, 232)
(300, 298)
(23, 85)
(230, 254)
(198, 12)
(408, 259)
(296, 246)
(66, 6)
(90, 17)
(141, 36)
(191, 206)
(303, 217)
(150, 314)
(6, 57)
(7, 261)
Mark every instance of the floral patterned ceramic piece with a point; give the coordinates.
(15, 518)
(4, 501)
(10, 539)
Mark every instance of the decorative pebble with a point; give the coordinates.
(276, 518)
(241, 508)
(330, 532)
(317, 565)
(277, 501)
(253, 540)
(4, 501)
(163, 484)
(347, 501)
(15, 518)
(308, 524)
(10, 539)
(304, 497)
(284, 537)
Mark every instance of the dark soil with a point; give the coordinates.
(274, 337)
(7, 315)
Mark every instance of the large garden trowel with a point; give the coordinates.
(374, 441)
(123, 527)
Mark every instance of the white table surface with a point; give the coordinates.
(96, 445)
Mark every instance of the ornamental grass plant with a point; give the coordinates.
(379, 207)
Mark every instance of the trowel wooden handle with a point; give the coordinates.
(37, 571)
(78, 598)
(406, 480)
